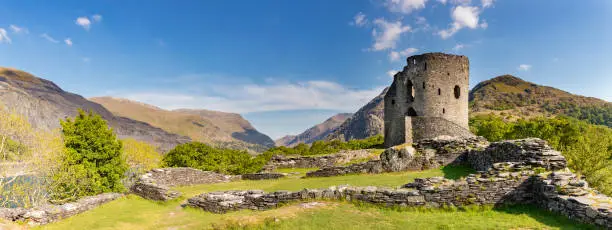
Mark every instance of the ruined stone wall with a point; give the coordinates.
(344, 156)
(262, 176)
(432, 127)
(51, 213)
(531, 150)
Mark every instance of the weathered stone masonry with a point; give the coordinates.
(515, 172)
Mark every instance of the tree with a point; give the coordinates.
(92, 162)
(204, 157)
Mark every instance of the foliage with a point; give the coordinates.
(92, 162)
(587, 147)
(201, 156)
(328, 147)
(140, 154)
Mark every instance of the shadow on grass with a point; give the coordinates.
(457, 171)
(544, 216)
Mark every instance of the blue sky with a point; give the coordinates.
(286, 65)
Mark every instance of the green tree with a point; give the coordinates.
(92, 162)
(201, 156)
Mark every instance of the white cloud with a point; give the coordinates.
(487, 3)
(359, 19)
(48, 38)
(484, 24)
(442, 1)
(463, 16)
(83, 22)
(68, 41)
(19, 30)
(395, 55)
(259, 98)
(4, 38)
(96, 18)
(392, 73)
(458, 47)
(388, 35)
(524, 67)
(405, 6)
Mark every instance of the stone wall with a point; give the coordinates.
(425, 154)
(51, 213)
(344, 156)
(262, 176)
(155, 184)
(531, 150)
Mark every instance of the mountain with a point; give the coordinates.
(315, 133)
(506, 95)
(512, 97)
(367, 121)
(217, 128)
(44, 104)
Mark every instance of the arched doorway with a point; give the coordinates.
(411, 112)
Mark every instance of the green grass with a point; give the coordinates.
(133, 212)
(349, 216)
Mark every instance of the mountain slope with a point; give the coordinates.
(366, 122)
(315, 133)
(505, 95)
(513, 97)
(212, 127)
(44, 104)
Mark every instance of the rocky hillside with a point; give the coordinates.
(508, 96)
(315, 133)
(367, 121)
(217, 128)
(44, 104)
(513, 97)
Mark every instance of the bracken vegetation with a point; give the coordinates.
(587, 147)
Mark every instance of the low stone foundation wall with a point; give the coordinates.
(531, 150)
(155, 184)
(344, 156)
(425, 154)
(51, 213)
(262, 176)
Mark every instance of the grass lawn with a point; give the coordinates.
(133, 212)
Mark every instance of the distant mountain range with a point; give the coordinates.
(315, 133)
(221, 129)
(44, 104)
(507, 95)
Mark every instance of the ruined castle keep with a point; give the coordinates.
(428, 98)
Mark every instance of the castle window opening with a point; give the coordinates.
(411, 112)
(443, 110)
(457, 91)
(423, 85)
(425, 66)
(439, 92)
(410, 91)
(393, 102)
(414, 61)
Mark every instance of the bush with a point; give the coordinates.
(140, 154)
(328, 147)
(92, 162)
(207, 158)
(587, 147)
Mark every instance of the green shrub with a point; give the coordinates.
(328, 147)
(204, 157)
(92, 162)
(587, 147)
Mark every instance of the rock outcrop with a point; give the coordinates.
(262, 176)
(315, 133)
(292, 161)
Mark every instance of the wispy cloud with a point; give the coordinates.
(86, 59)
(524, 67)
(487, 3)
(247, 98)
(4, 38)
(386, 34)
(86, 22)
(19, 30)
(392, 73)
(396, 55)
(359, 20)
(404, 6)
(68, 41)
(49, 38)
(458, 47)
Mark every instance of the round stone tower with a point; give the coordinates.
(428, 98)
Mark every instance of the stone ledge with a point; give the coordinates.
(262, 176)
